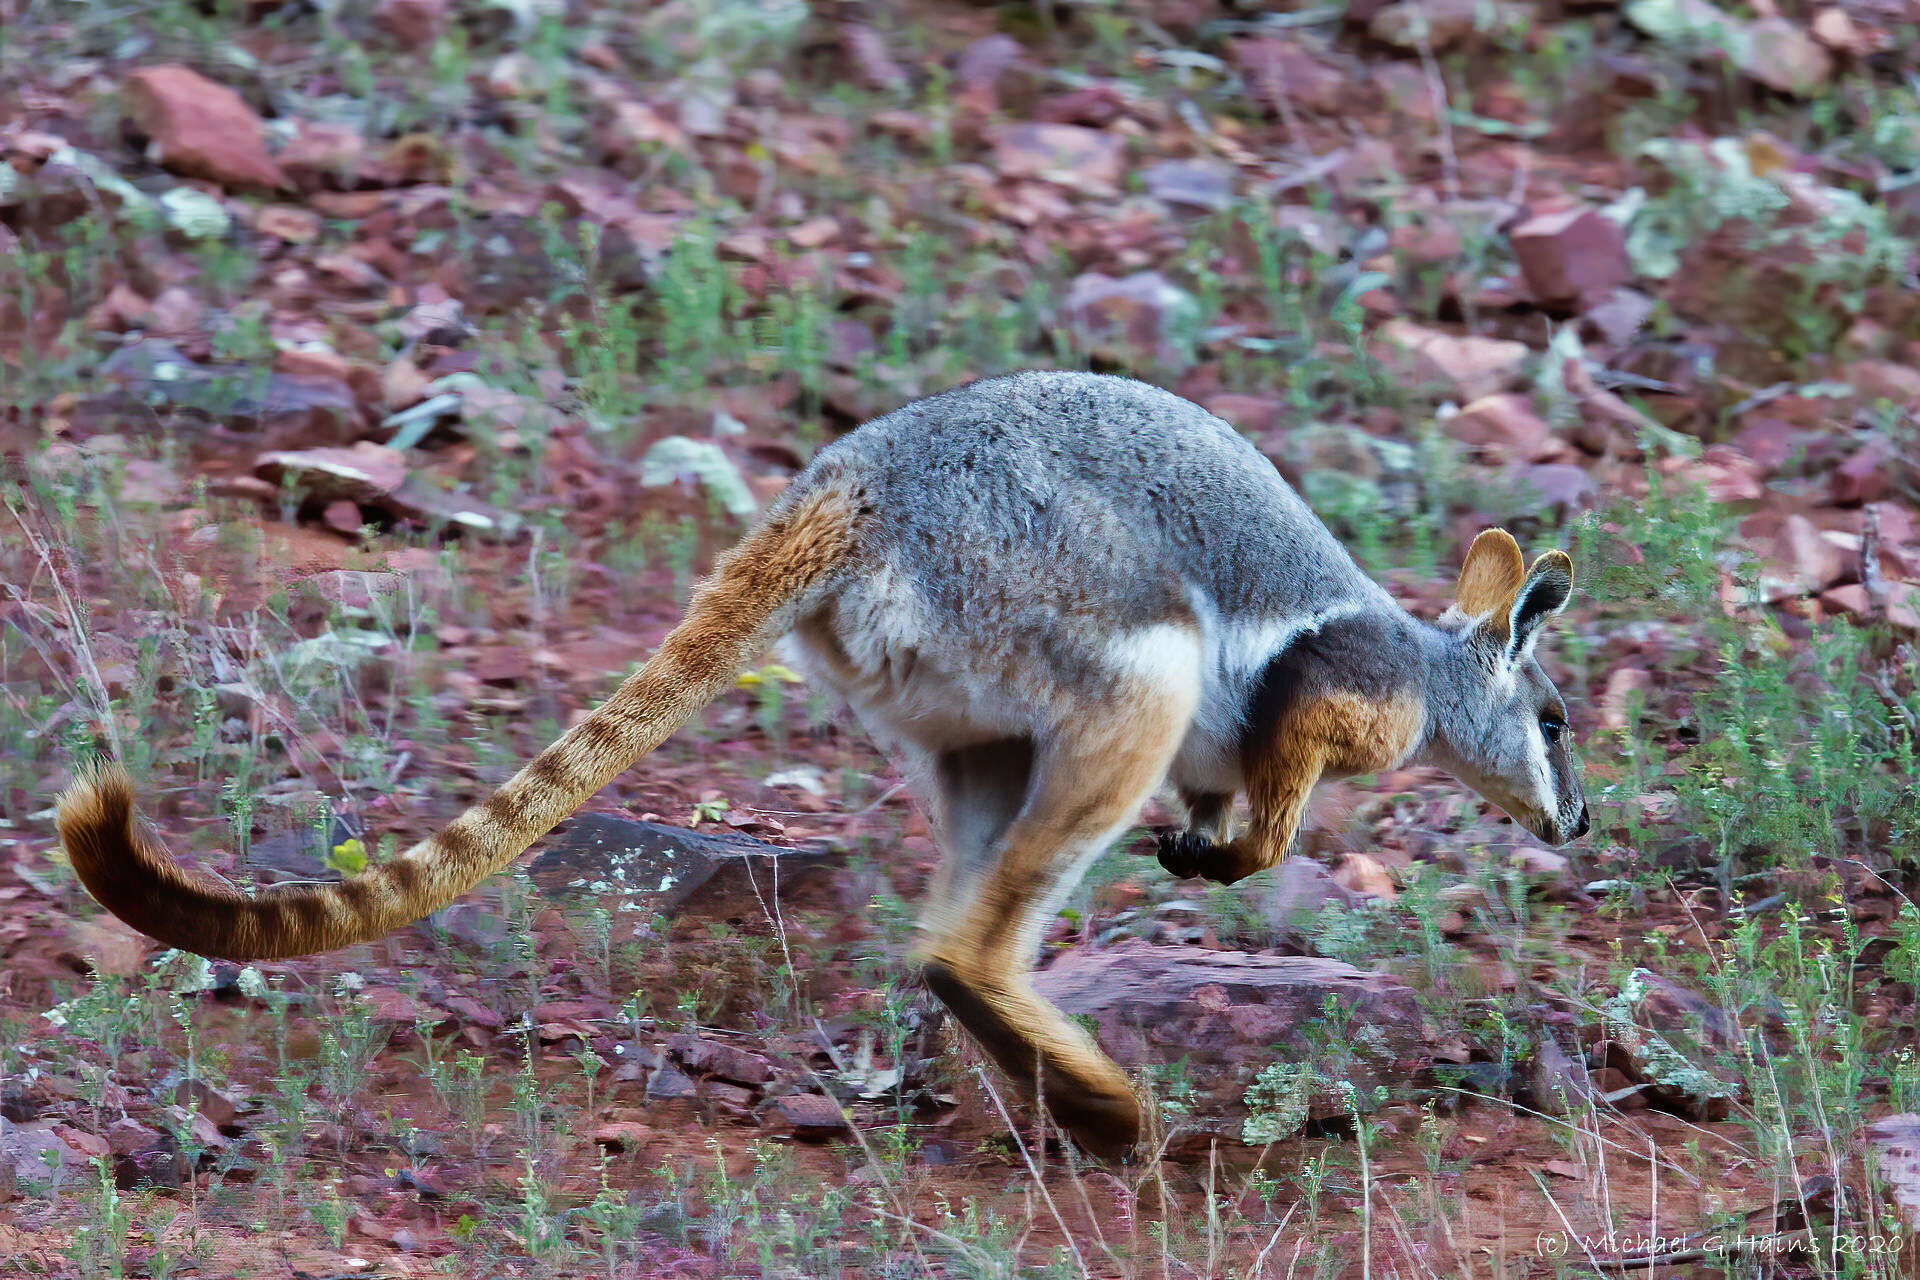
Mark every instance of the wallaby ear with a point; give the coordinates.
(1548, 587)
(1490, 577)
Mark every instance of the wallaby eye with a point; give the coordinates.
(1551, 727)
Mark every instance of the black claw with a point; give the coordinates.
(1185, 853)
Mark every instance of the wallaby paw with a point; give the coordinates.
(1188, 854)
(1185, 853)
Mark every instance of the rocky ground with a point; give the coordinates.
(376, 377)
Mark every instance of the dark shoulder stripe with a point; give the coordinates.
(1280, 687)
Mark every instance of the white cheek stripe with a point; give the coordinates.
(1543, 774)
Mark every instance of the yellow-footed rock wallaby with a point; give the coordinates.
(1045, 594)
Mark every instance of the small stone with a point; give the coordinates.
(200, 128)
(1505, 428)
(867, 49)
(1804, 561)
(413, 24)
(1254, 414)
(1547, 873)
(1571, 256)
(812, 1117)
(1282, 74)
(345, 517)
(1194, 184)
(1440, 24)
(1068, 155)
(365, 470)
(1661, 1036)
(122, 309)
(1467, 368)
(325, 157)
(1780, 55)
(1293, 897)
(316, 362)
(127, 1135)
(1141, 313)
(221, 1109)
(1874, 380)
(158, 1163)
(1616, 318)
(107, 946)
(288, 222)
(992, 67)
(622, 1135)
(1835, 29)
(1359, 873)
(1863, 477)
(1561, 486)
(711, 1058)
(1618, 1090)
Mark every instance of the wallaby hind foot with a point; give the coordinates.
(1083, 1091)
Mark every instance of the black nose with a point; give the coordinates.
(1583, 826)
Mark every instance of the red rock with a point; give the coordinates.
(1901, 603)
(1768, 441)
(1252, 414)
(1804, 562)
(1618, 1089)
(312, 362)
(288, 222)
(1440, 24)
(1617, 317)
(1292, 897)
(811, 1116)
(126, 1136)
(326, 157)
(622, 1135)
(1467, 367)
(1138, 313)
(1194, 184)
(221, 1109)
(1506, 427)
(1281, 74)
(343, 516)
(712, 1058)
(989, 67)
(1782, 56)
(1835, 29)
(1362, 874)
(1430, 242)
(1884, 380)
(867, 48)
(201, 129)
(1617, 697)
(1864, 476)
(1561, 485)
(122, 309)
(1572, 256)
(413, 24)
(1066, 154)
(1228, 1014)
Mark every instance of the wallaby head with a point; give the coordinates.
(1498, 724)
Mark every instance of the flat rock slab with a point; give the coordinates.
(1227, 1015)
(1895, 1141)
(659, 869)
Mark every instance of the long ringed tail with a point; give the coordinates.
(751, 599)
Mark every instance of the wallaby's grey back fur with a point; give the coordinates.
(1046, 594)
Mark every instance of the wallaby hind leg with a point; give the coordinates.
(1087, 781)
